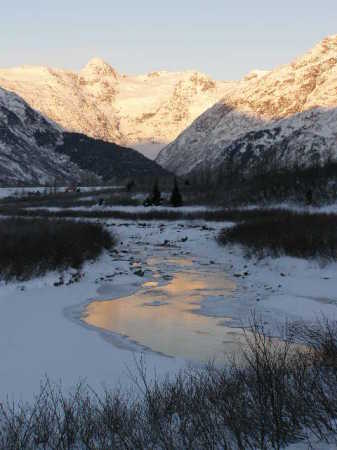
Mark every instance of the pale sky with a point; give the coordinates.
(224, 39)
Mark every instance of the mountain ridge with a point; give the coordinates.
(255, 104)
(145, 112)
(34, 151)
(27, 140)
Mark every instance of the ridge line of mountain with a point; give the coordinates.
(34, 151)
(300, 96)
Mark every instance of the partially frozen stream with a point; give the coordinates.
(164, 314)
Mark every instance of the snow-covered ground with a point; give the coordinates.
(39, 335)
(328, 209)
(41, 332)
(23, 191)
(129, 209)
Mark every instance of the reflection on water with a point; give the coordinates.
(164, 317)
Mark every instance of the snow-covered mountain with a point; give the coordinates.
(27, 143)
(145, 112)
(288, 115)
(34, 150)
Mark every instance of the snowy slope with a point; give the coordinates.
(145, 112)
(291, 108)
(303, 140)
(34, 150)
(27, 140)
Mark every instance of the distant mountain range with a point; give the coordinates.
(34, 150)
(145, 112)
(285, 117)
(63, 125)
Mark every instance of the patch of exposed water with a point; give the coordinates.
(164, 315)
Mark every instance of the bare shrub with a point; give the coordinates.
(216, 215)
(274, 394)
(33, 247)
(294, 234)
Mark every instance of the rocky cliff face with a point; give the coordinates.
(145, 112)
(291, 110)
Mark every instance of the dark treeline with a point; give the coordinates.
(230, 185)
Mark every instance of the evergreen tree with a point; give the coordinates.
(156, 195)
(130, 185)
(176, 198)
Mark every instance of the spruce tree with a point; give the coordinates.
(176, 198)
(130, 185)
(156, 195)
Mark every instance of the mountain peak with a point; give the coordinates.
(328, 43)
(326, 48)
(332, 39)
(255, 74)
(294, 104)
(97, 68)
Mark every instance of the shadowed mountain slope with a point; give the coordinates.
(290, 109)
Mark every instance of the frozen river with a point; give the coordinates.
(163, 315)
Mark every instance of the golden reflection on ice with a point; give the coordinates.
(165, 319)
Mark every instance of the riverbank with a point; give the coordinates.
(37, 338)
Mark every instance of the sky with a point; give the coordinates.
(225, 39)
